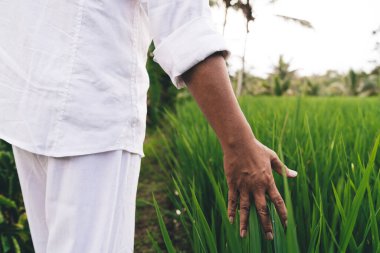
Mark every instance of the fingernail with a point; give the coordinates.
(231, 219)
(293, 173)
(269, 236)
(243, 233)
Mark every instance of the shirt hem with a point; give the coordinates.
(72, 152)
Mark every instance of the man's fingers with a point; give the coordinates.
(277, 165)
(232, 203)
(263, 213)
(279, 203)
(244, 212)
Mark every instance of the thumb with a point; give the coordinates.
(278, 166)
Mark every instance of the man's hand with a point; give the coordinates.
(248, 169)
(248, 163)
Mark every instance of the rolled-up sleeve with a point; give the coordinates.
(183, 33)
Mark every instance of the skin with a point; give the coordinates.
(248, 164)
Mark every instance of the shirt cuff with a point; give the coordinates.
(188, 45)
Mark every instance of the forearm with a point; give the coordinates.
(209, 84)
(247, 163)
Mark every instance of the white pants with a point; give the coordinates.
(80, 204)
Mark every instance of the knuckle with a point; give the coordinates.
(244, 210)
(242, 183)
(231, 182)
(243, 225)
(267, 227)
(244, 207)
(276, 161)
(259, 186)
(273, 154)
(231, 207)
(263, 211)
(269, 179)
(232, 200)
(272, 184)
(278, 201)
(231, 212)
(284, 215)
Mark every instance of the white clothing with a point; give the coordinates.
(72, 73)
(80, 204)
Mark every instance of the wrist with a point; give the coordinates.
(239, 138)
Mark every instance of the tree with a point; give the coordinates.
(227, 5)
(282, 76)
(376, 34)
(353, 82)
(247, 10)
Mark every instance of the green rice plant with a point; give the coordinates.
(14, 230)
(334, 203)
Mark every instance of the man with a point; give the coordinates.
(73, 106)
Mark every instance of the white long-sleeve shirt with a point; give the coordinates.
(73, 79)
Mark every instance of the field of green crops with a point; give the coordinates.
(333, 204)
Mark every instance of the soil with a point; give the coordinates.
(146, 218)
(153, 180)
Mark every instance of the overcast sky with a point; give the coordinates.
(341, 39)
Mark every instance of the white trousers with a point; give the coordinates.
(80, 204)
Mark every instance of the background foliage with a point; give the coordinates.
(14, 230)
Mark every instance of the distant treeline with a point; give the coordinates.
(284, 81)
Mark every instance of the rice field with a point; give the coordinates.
(333, 204)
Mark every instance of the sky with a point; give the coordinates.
(341, 38)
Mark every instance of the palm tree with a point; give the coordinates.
(227, 5)
(247, 9)
(376, 33)
(353, 82)
(282, 76)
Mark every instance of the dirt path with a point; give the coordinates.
(153, 179)
(150, 180)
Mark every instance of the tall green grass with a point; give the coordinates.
(333, 204)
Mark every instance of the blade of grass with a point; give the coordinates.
(164, 231)
(349, 226)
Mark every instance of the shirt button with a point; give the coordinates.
(134, 122)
